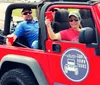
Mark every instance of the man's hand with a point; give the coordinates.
(10, 39)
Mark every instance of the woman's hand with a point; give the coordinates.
(47, 22)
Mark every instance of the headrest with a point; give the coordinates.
(61, 16)
(87, 35)
(85, 13)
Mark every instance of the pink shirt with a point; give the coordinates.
(69, 34)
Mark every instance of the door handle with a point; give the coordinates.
(56, 48)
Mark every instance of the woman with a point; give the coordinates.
(68, 34)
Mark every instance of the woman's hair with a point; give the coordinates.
(80, 26)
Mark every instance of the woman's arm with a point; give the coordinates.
(53, 36)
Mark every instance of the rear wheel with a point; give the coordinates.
(18, 76)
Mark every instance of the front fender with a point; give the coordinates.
(31, 62)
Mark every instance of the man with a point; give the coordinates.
(29, 28)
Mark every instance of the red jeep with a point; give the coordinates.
(56, 62)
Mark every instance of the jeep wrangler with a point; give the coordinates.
(55, 62)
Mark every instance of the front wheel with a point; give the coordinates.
(18, 76)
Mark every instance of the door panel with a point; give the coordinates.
(75, 64)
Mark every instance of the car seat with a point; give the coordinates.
(61, 20)
(87, 19)
(87, 35)
(88, 25)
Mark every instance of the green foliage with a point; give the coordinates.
(16, 12)
(72, 10)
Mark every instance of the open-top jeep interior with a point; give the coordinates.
(60, 20)
(12, 21)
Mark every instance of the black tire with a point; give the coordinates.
(18, 76)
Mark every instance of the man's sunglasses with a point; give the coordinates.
(75, 19)
(25, 13)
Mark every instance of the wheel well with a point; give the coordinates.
(6, 66)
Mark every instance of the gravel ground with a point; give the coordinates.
(2, 14)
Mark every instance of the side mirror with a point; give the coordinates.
(87, 35)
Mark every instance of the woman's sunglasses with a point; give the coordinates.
(25, 13)
(75, 19)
